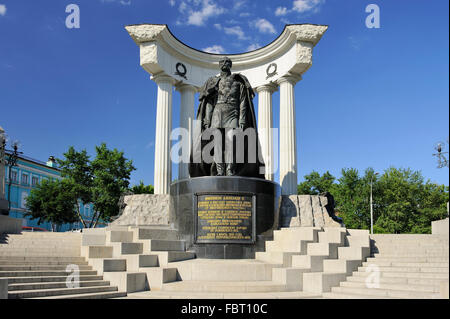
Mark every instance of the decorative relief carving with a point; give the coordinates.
(271, 70)
(180, 70)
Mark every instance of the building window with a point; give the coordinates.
(23, 201)
(25, 180)
(14, 176)
(35, 181)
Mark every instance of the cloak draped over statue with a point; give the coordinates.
(209, 99)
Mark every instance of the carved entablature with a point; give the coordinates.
(162, 52)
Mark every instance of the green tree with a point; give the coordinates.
(52, 201)
(111, 173)
(76, 169)
(402, 201)
(315, 184)
(141, 188)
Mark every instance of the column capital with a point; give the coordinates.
(185, 87)
(162, 78)
(271, 87)
(291, 78)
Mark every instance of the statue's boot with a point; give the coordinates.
(221, 167)
(231, 169)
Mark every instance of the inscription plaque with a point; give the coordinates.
(225, 218)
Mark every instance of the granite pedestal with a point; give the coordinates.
(225, 217)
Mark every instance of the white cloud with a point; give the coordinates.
(244, 14)
(2, 9)
(302, 6)
(172, 3)
(281, 11)
(253, 47)
(183, 6)
(264, 26)
(218, 26)
(208, 9)
(122, 2)
(235, 31)
(218, 49)
(238, 4)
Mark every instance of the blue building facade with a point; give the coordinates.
(28, 174)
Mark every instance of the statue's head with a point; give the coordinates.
(225, 64)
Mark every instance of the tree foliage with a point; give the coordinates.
(52, 201)
(141, 188)
(100, 182)
(403, 202)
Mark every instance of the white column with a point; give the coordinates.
(163, 165)
(187, 93)
(288, 139)
(265, 125)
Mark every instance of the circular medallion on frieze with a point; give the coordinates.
(271, 70)
(181, 70)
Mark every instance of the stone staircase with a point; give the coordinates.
(401, 266)
(294, 265)
(36, 266)
(134, 259)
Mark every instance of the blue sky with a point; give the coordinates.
(373, 97)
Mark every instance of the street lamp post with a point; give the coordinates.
(11, 161)
(371, 204)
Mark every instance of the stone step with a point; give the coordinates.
(297, 233)
(341, 266)
(276, 257)
(54, 285)
(405, 287)
(134, 262)
(165, 245)
(157, 276)
(98, 295)
(43, 273)
(40, 267)
(292, 246)
(220, 295)
(224, 270)
(113, 236)
(291, 278)
(421, 275)
(397, 280)
(97, 251)
(353, 252)
(40, 263)
(412, 251)
(155, 233)
(31, 253)
(19, 259)
(387, 293)
(166, 257)
(408, 269)
(340, 295)
(314, 263)
(418, 259)
(224, 286)
(319, 282)
(102, 265)
(120, 249)
(406, 264)
(323, 249)
(58, 292)
(128, 281)
(34, 279)
(361, 241)
(336, 235)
